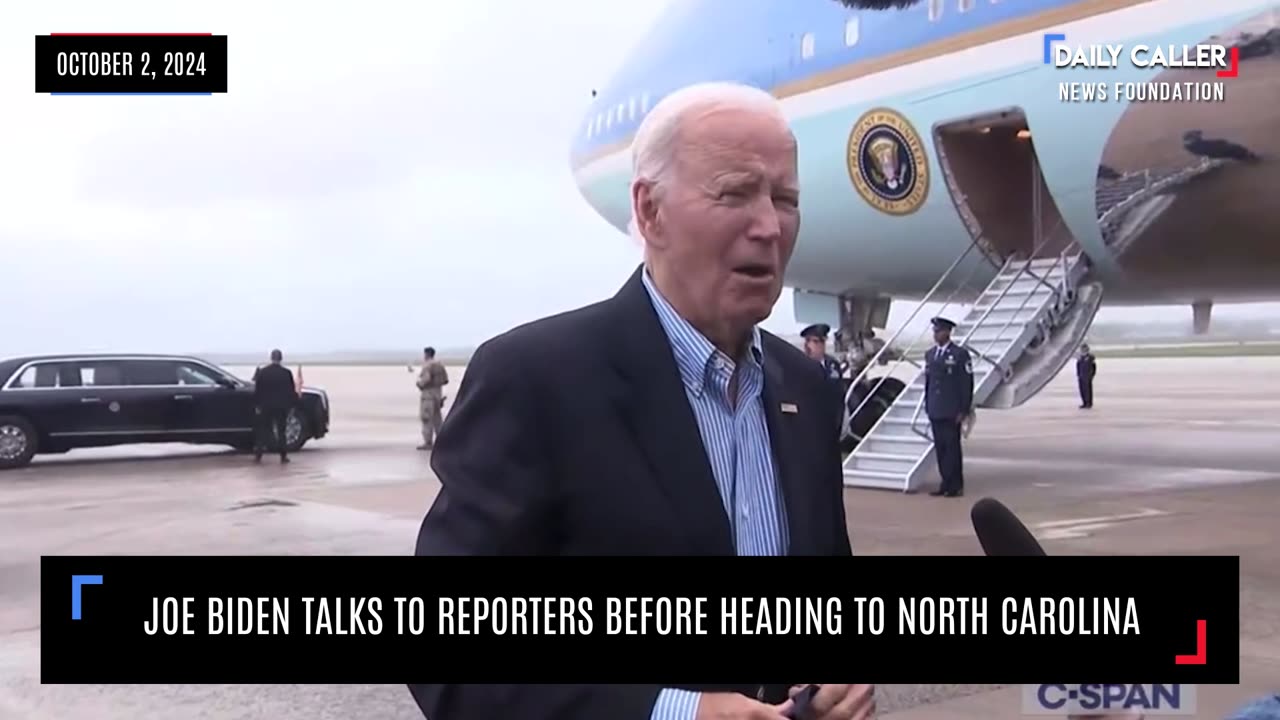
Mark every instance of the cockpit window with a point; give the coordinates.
(806, 46)
(935, 10)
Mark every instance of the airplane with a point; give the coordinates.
(944, 160)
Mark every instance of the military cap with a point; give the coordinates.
(817, 330)
(941, 323)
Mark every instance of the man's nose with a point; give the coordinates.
(767, 224)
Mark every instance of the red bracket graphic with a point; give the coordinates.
(1199, 657)
(1234, 70)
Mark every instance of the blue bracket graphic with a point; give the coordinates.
(1048, 46)
(77, 582)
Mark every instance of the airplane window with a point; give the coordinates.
(622, 112)
(966, 5)
(608, 119)
(851, 32)
(633, 108)
(935, 10)
(806, 46)
(644, 103)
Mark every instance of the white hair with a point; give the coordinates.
(656, 140)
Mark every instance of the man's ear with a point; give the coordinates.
(648, 216)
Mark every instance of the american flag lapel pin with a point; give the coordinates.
(790, 408)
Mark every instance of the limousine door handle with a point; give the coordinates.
(90, 400)
(181, 397)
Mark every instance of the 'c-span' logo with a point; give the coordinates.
(1068, 700)
(887, 162)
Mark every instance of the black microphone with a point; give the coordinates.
(1001, 533)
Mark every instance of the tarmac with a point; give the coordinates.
(1178, 456)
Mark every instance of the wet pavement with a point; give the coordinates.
(1178, 456)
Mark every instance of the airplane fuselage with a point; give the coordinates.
(923, 129)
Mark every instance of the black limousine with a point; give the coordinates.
(54, 403)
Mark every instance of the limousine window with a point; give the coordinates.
(189, 374)
(166, 372)
(70, 374)
(37, 376)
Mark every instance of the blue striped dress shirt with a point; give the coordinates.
(736, 438)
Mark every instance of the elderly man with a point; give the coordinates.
(662, 421)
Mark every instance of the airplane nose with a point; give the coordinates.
(608, 124)
(600, 152)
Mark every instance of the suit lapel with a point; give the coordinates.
(788, 443)
(656, 409)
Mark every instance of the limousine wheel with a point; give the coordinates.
(17, 442)
(295, 431)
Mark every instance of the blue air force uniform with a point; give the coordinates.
(1086, 368)
(830, 366)
(948, 400)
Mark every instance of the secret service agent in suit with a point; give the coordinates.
(1086, 368)
(593, 444)
(274, 394)
(948, 401)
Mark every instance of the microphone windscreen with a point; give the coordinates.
(1001, 533)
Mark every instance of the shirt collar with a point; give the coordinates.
(694, 353)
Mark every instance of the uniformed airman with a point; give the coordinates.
(1086, 369)
(948, 403)
(431, 381)
(815, 346)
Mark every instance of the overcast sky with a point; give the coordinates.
(412, 186)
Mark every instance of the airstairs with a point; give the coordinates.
(1129, 204)
(1020, 331)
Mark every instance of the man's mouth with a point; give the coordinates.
(756, 271)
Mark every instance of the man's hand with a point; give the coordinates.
(732, 706)
(841, 702)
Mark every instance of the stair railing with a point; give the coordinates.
(1061, 259)
(905, 355)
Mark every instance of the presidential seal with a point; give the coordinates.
(887, 162)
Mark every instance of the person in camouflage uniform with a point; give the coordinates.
(431, 381)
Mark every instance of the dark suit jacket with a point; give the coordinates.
(587, 445)
(273, 388)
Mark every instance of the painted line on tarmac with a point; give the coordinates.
(1084, 527)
